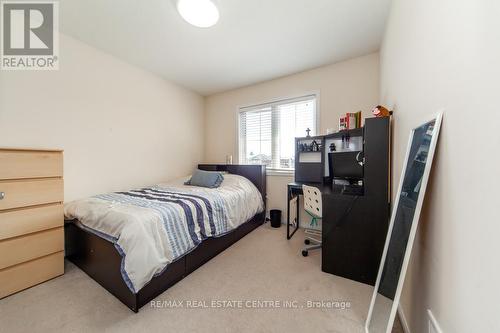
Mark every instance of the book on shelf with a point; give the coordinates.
(351, 120)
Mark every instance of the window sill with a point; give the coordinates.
(282, 173)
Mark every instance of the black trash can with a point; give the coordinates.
(275, 215)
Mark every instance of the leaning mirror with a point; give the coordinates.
(403, 226)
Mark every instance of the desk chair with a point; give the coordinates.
(314, 207)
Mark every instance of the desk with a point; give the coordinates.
(355, 223)
(353, 230)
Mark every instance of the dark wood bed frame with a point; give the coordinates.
(99, 258)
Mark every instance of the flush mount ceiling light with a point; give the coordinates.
(200, 13)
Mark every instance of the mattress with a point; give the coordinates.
(154, 226)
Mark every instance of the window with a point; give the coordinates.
(267, 131)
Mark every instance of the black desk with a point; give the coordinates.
(353, 231)
(354, 226)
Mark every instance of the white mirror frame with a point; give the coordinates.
(438, 118)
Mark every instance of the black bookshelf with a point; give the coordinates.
(354, 224)
(309, 164)
(355, 227)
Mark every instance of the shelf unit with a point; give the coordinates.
(309, 164)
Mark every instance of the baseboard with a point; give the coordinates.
(402, 318)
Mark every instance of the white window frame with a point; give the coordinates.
(240, 108)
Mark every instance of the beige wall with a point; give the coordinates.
(120, 126)
(346, 86)
(445, 54)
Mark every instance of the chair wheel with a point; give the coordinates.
(305, 253)
(307, 241)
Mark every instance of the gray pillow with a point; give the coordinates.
(210, 179)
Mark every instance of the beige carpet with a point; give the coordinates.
(261, 266)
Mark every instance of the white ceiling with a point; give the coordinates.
(254, 40)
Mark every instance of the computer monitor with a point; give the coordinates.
(343, 165)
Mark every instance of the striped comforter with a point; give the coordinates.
(152, 227)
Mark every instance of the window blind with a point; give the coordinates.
(267, 131)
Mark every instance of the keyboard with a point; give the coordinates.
(352, 190)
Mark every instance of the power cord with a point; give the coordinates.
(347, 211)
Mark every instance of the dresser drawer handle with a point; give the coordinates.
(2, 195)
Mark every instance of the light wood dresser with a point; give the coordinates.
(31, 218)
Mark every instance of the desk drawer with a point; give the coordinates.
(17, 164)
(25, 275)
(23, 193)
(20, 249)
(28, 220)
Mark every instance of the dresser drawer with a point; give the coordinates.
(20, 249)
(18, 164)
(25, 275)
(27, 220)
(23, 193)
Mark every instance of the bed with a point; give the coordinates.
(101, 240)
